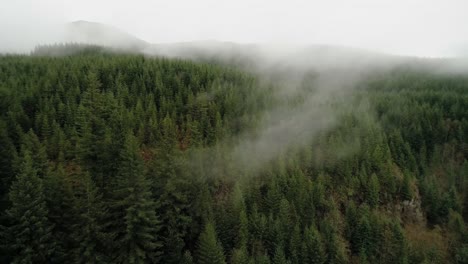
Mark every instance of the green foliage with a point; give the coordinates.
(312, 248)
(209, 248)
(119, 158)
(136, 238)
(187, 258)
(373, 191)
(279, 257)
(399, 247)
(240, 256)
(406, 189)
(29, 238)
(90, 228)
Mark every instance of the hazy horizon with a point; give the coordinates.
(415, 28)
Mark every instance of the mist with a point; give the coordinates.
(416, 28)
(315, 79)
(338, 43)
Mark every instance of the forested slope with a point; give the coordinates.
(109, 158)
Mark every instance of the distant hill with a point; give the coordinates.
(102, 34)
(219, 51)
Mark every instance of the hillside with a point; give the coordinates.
(101, 34)
(253, 56)
(113, 158)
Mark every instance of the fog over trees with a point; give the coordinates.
(329, 146)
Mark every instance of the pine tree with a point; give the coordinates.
(335, 250)
(37, 151)
(295, 245)
(136, 232)
(262, 259)
(373, 190)
(240, 256)
(351, 224)
(90, 229)
(173, 244)
(29, 238)
(280, 257)
(7, 155)
(406, 190)
(257, 228)
(361, 239)
(210, 250)
(399, 253)
(314, 250)
(243, 236)
(61, 207)
(176, 220)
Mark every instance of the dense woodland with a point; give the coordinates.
(114, 158)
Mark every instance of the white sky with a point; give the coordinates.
(409, 27)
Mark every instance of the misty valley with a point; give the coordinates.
(232, 154)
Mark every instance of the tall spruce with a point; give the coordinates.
(29, 237)
(209, 249)
(90, 232)
(136, 226)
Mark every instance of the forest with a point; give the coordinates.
(112, 157)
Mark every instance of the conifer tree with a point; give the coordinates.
(7, 155)
(37, 151)
(90, 229)
(361, 239)
(243, 236)
(29, 238)
(335, 250)
(313, 251)
(61, 209)
(399, 252)
(373, 191)
(295, 244)
(240, 256)
(280, 257)
(209, 249)
(262, 259)
(406, 190)
(137, 229)
(176, 220)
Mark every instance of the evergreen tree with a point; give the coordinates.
(406, 190)
(240, 256)
(176, 221)
(90, 229)
(61, 210)
(136, 236)
(313, 250)
(399, 252)
(362, 237)
(209, 250)
(37, 151)
(7, 155)
(295, 245)
(279, 257)
(373, 191)
(243, 237)
(29, 238)
(71, 115)
(335, 250)
(262, 259)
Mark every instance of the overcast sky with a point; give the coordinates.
(410, 27)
